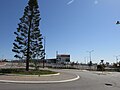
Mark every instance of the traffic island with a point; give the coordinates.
(38, 79)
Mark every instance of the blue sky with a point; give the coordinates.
(70, 27)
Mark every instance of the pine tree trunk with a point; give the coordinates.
(28, 47)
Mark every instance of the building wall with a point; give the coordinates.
(51, 60)
(61, 58)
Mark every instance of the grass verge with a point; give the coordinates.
(24, 72)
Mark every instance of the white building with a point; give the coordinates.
(63, 58)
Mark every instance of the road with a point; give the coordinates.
(88, 81)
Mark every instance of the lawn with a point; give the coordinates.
(24, 72)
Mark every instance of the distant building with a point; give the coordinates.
(63, 58)
(51, 60)
(60, 59)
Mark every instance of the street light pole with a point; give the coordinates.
(117, 58)
(90, 54)
(44, 47)
(90, 63)
(118, 22)
(44, 39)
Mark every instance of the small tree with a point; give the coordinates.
(90, 64)
(28, 42)
(101, 67)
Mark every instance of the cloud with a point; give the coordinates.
(70, 2)
(96, 2)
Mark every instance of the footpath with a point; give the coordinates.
(35, 79)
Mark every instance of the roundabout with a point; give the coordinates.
(36, 79)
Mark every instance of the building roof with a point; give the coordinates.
(63, 55)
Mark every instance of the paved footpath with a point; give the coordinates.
(61, 77)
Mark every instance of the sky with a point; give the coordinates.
(73, 27)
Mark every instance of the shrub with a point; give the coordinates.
(100, 68)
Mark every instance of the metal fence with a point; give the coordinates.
(48, 65)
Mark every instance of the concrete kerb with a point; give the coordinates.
(33, 75)
(40, 82)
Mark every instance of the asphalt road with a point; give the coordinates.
(88, 81)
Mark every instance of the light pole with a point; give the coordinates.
(44, 46)
(117, 58)
(44, 57)
(90, 54)
(86, 60)
(90, 63)
(118, 22)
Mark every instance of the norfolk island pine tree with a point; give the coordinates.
(28, 41)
